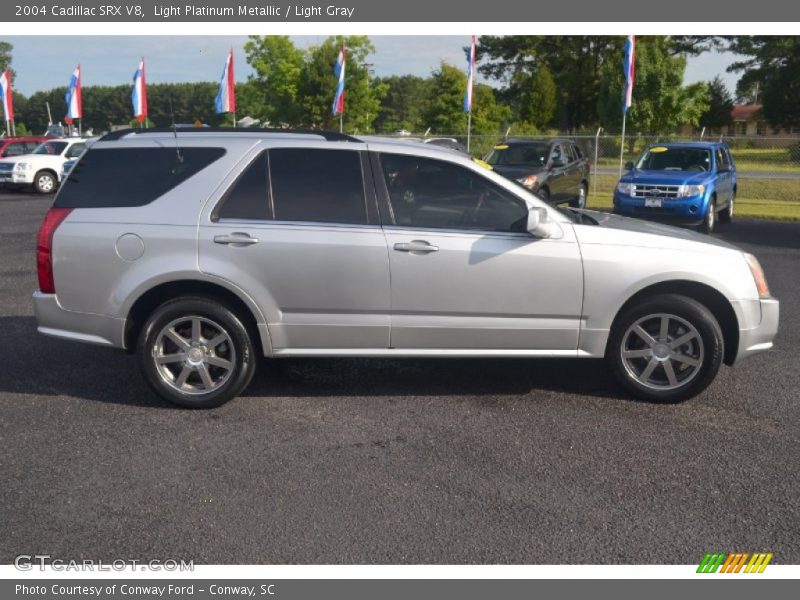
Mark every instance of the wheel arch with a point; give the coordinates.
(152, 298)
(706, 295)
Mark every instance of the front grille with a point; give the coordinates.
(655, 191)
(6, 167)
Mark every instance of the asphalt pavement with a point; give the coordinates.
(381, 461)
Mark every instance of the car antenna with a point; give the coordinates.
(178, 154)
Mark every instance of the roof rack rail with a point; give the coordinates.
(331, 136)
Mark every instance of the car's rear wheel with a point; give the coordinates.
(666, 349)
(726, 216)
(710, 219)
(44, 182)
(196, 352)
(580, 199)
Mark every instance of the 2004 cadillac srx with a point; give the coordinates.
(200, 249)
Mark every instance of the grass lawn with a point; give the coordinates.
(762, 198)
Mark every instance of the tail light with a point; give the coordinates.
(44, 248)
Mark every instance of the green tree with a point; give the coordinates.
(404, 103)
(272, 93)
(718, 114)
(5, 56)
(660, 102)
(772, 62)
(575, 63)
(444, 112)
(538, 98)
(317, 86)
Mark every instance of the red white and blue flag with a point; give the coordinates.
(73, 97)
(629, 69)
(470, 77)
(338, 70)
(6, 96)
(225, 101)
(139, 94)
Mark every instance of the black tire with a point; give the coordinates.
(44, 182)
(215, 320)
(710, 219)
(580, 200)
(726, 215)
(706, 348)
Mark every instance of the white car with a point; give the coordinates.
(42, 168)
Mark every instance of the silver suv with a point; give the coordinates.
(201, 249)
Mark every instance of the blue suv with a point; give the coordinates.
(680, 183)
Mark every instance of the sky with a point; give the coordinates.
(45, 62)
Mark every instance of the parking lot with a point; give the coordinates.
(379, 461)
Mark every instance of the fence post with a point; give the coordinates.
(596, 147)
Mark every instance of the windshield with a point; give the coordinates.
(661, 158)
(53, 148)
(519, 155)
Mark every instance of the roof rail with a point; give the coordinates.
(331, 136)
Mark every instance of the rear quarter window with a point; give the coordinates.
(121, 177)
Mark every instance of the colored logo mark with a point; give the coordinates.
(734, 562)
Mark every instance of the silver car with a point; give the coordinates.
(201, 249)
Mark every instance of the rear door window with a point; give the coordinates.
(248, 197)
(130, 176)
(318, 185)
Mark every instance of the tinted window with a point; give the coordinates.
(317, 185)
(435, 194)
(14, 149)
(75, 150)
(130, 176)
(557, 154)
(518, 155)
(570, 152)
(722, 160)
(249, 196)
(675, 159)
(54, 148)
(578, 152)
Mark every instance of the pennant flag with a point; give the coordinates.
(6, 96)
(73, 97)
(226, 95)
(629, 69)
(338, 70)
(470, 77)
(139, 93)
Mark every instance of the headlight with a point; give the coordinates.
(624, 188)
(758, 275)
(692, 190)
(22, 166)
(529, 182)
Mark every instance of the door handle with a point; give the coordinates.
(420, 246)
(235, 239)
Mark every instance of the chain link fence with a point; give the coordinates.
(768, 167)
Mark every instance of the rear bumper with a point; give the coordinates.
(90, 328)
(760, 338)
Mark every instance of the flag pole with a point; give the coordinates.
(341, 122)
(13, 128)
(622, 143)
(469, 128)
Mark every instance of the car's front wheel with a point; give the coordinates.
(580, 200)
(196, 352)
(666, 348)
(710, 219)
(726, 216)
(45, 182)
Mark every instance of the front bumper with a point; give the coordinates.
(55, 321)
(679, 211)
(760, 338)
(17, 178)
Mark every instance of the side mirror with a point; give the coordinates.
(538, 225)
(629, 166)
